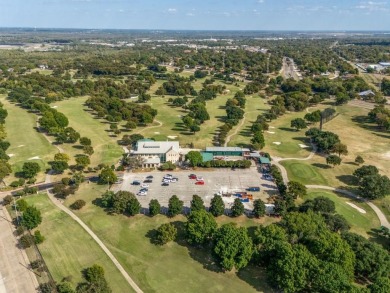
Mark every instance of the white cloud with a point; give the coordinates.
(370, 6)
(172, 10)
(260, 1)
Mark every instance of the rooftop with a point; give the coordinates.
(224, 149)
(156, 147)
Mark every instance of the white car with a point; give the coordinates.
(144, 185)
(174, 180)
(199, 178)
(142, 193)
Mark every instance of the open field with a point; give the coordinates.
(360, 223)
(26, 142)
(157, 268)
(68, 248)
(106, 148)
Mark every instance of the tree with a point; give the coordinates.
(78, 204)
(365, 171)
(5, 169)
(258, 140)
(359, 160)
(94, 281)
(119, 201)
(217, 207)
(21, 205)
(175, 206)
(166, 233)
(88, 150)
(319, 204)
(85, 141)
(82, 161)
(31, 218)
(200, 227)
(374, 186)
(296, 189)
(314, 116)
(133, 206)
(233, 246)
(65, 287)
(197, 203)
(107, 176)
(258, 208)
(38, 237)
(7, 199)
(61, 157)
(237, 208)
(26, 241)
(30, 169)
(333, 160)
(298, 123)
(340, 149)
(381, 285)
(336, 223)
(154, 207)
(194, 157)
(59, 166)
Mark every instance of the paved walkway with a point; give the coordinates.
(276, 161)
(237, 128)
(15, 277)
(98, 241)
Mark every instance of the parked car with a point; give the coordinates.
(165, 180)
(148, 181)
(149, 177)
(144, 185)
(192, 176)
(142, 193)
(254, 188)
(199, 182)
(199, 178)
(136, 182)
(165, 184)
(174, 179)
(144, 190)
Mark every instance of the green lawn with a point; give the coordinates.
(303, 172)
(254, 106)
(26, 142)
(106, 148)
(68, 248)
(163, 268)
(360, 223)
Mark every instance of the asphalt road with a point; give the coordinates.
(15, 277)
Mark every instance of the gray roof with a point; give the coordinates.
(223, 149)
(366, 93)
(156, 147)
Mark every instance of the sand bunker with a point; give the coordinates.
(271, 127)
(54, 107)
(172, 136)
(386, 155)
(277, 142)
(157, 132)
(34, 158)
(11, 155)
(19, 146)
(303, 145)
(271, 132)
(360, 210)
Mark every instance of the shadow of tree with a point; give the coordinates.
(256, 277)
(322, 166)
(348, 179)
(288, 129)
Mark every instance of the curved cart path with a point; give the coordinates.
(276, 161)
(228, 139)
(98, 241)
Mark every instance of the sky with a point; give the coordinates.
(198, 15)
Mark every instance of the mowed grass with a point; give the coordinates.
(68, 249)
(167, 268)
(254, 106)
(362, 138)
(281, 132)
(360, 223)
(107, 150)
(171, 117)
(26, 142)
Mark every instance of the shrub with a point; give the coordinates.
(26, 241)
(166, 233)
(78, 204)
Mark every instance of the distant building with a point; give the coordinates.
(385, 64)
(366, 94)
(156, 153)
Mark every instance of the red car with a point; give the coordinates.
(199, 182)
(192, 176)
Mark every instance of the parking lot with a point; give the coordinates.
(217, 180)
